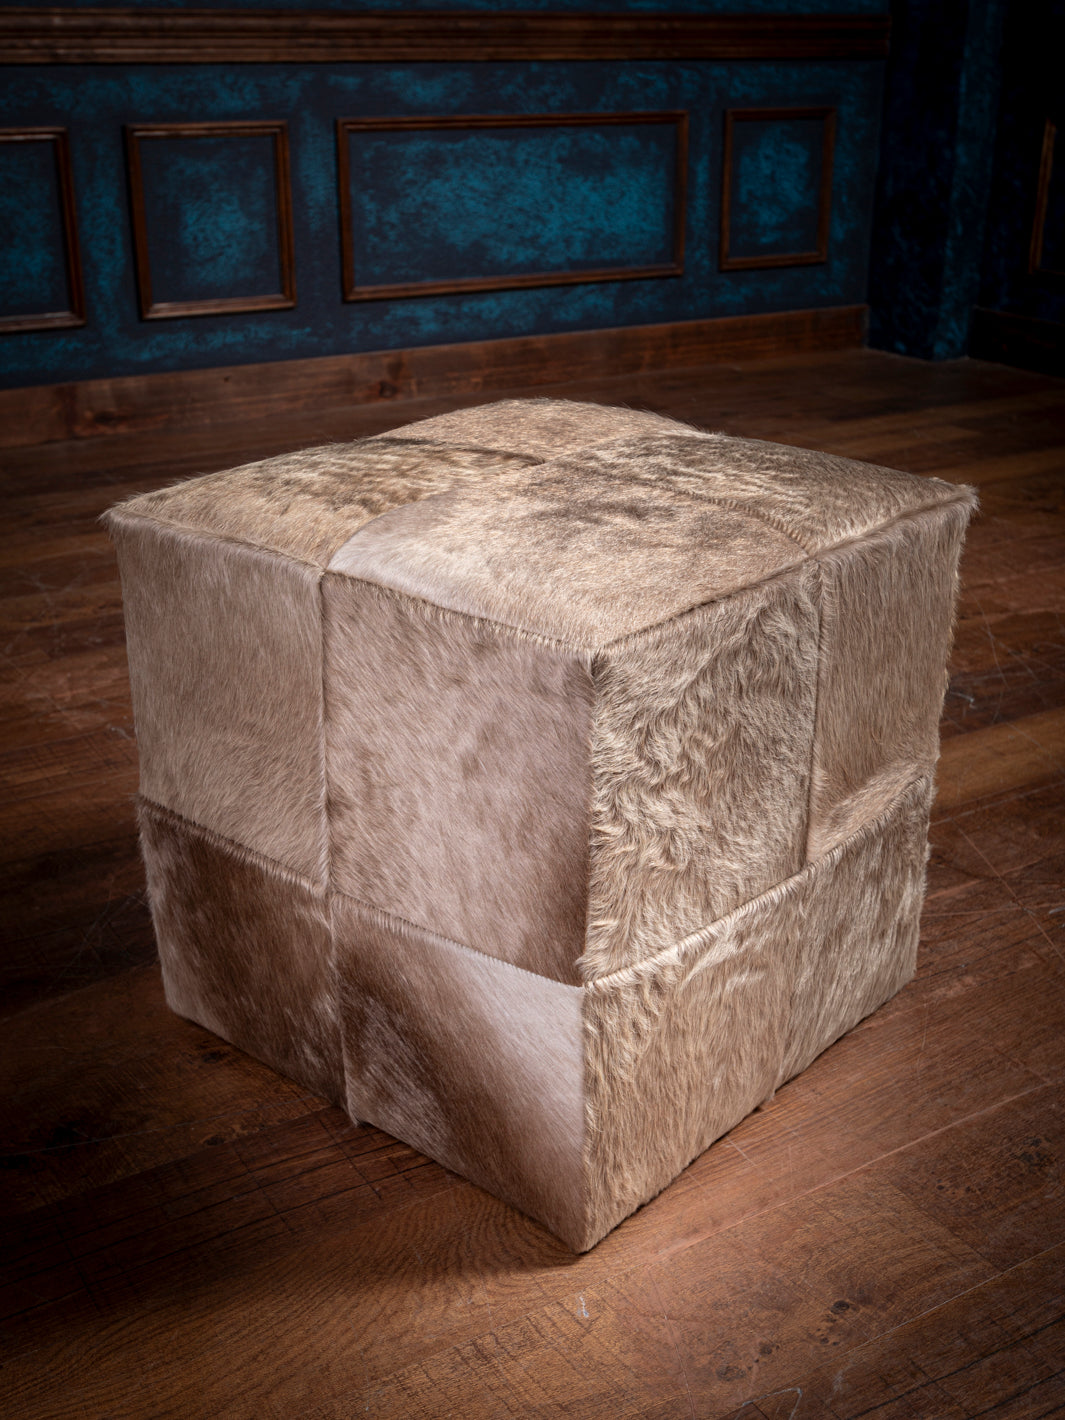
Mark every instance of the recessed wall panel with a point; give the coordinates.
(452, 204)
(776, 187)
(212, 217)
(40, 275)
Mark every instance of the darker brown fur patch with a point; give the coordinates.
(246, 949)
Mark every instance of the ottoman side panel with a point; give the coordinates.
(681, 1047)
(887, 612)
(701, 757)
(246, 949)
(224, 645)
(459, 780)
(473, 1061)
(859, 947)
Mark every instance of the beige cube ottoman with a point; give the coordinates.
(543, 783)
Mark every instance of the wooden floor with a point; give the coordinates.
(190, 1235)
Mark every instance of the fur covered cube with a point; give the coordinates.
(543, 783)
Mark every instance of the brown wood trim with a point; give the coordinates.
(354, 291)
(29, 35)
(1042, 199)
(47, 413)
(75, 314)
(151, 309)
(727, 261)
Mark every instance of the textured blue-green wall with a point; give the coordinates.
(940, 116)
(94, 102)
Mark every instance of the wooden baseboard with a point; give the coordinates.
(46, 413)
(1010, 339)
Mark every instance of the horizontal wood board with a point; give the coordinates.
(50, 412)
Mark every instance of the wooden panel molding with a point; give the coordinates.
(52, 35)
(74, 314)
(356, 291)
(152, 309)
(46, 413)
(1042, 202)
(819, 253)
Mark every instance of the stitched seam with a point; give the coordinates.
(867, 830)
(817, 709)
(391, 918)
(866, 536)
(530, 459)
(240, 850)
(517, 632)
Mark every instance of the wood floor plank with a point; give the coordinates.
(1001, 761)
(982, 1349)
(997, 1181)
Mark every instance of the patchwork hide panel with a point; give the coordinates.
(546, 784)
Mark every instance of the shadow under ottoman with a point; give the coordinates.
(544, 783)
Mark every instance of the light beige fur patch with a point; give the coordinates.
(224, 647)
(539, 428)
(305, 505)
(679, 1048)
(887, 610)
(459, 776)
(470, 1059)
(700, 755)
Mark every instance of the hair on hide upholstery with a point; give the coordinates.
(817, 499)
(246, 948)
(305, 505)
(474, 1061)
(579, 551)
(701, 749)
(539, 428)
(546, 783)
(681, 1046)
(887, 609)
(224, 646)
(467, 744)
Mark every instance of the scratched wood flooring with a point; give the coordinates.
(189, 1235)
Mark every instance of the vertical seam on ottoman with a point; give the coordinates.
(819, 564)
(327, 864)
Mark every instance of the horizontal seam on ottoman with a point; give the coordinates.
(240, 850)
(391, 917)
(775, 893)
(710, 601)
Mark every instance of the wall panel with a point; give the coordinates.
(446, 204)
(776, 187)
(611, 256)
(40, 273)
(211, 209)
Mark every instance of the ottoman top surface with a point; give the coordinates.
(571, 521)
